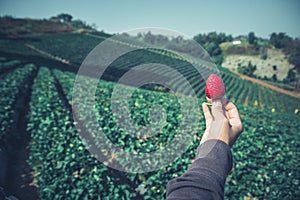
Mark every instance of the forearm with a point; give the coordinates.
(206, 177)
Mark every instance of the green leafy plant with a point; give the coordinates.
(13, 85)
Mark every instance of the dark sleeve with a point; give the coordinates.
(206, 177)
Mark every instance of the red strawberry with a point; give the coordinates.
(215, 88)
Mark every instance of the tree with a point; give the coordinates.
(211, 43)
(279, 40)
(212, 48)
(200, 38)
(247, 70)
(274, 77)
(63, 17)
(292, 48)
(215, 51)
(251, 38)
(212, 37)
(263, 52)
(149, 38)
(291, 76)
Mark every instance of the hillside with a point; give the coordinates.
(264, 66)
(13, 27)
(275, 63)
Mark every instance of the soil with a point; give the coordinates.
(20, 179)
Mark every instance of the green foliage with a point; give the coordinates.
(291, 76)
(265, 163)
(64, 168)
(12, 86)
(247, 70)
(264, 53)
(210, 43)
(213, 48)
(279, 40)
(292, 48)
(274, 78)
(212, 37)
(252, 39)
(63, 17)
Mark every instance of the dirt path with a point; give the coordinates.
(20, 181)
(64, 61)
(262, 83)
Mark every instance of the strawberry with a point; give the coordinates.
(215, 88)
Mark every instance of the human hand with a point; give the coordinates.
(223, 123)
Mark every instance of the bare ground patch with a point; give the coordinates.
(264, 67)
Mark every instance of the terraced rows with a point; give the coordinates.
(250, 94)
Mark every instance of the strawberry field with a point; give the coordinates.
(266, 156)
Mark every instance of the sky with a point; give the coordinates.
(188, 17)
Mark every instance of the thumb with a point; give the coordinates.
(217, 110)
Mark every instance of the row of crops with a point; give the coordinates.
(65, 169)
(13, 85)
